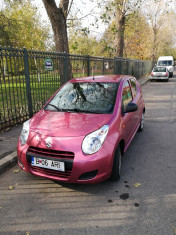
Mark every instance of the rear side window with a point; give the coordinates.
(126, 95)
(134, 87)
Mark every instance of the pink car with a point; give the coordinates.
(83, 130)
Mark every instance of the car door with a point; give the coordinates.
(137, 99)
(128, 119)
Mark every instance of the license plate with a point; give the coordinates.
(49, 164)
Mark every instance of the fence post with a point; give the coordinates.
(28, 86)
(65, 67)
(103, 65)
(88, 65)
(115, 65)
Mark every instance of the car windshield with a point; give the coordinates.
(90, 97)
(165, 62)
(159, 70)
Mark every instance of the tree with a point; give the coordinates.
(157, 17)
(137, 36)
(58, 19)
(120, 9)
(19, 21)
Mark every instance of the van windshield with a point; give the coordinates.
(165, 63)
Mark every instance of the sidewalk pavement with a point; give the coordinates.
(9, 139)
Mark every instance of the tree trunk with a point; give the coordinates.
(155, 31)
(58, 19)
(120, 26)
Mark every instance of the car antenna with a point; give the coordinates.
(93, 74)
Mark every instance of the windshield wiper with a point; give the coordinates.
(58, 109)
(82, 111)
(76, 110)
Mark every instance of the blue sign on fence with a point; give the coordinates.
(48, 64)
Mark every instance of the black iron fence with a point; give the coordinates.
(29, 78)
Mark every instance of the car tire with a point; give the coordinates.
(141, 126)
(116, 168)
(170, 75)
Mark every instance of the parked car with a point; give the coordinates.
(81, 133)
(160, 73)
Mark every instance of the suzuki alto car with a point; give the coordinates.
(81, 133)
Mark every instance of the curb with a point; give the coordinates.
(8, 162)
(144, 82)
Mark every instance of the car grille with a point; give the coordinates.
(49, 172)
(51, 153)
(64, 156)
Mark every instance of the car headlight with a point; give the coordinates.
(93, 141)
(25, 132)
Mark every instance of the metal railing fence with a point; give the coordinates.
(26, 84)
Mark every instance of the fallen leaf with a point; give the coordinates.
(0, 207)
(173, 228)
(16, 171)
(137, 185)
(27, 233)
(11, 187)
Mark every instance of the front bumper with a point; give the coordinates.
(79, 167)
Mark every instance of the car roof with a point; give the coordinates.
(101, 78)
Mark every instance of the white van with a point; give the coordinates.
(168, 62)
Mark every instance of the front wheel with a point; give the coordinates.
(141, 126)
(116, 168)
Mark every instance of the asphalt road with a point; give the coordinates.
(142, 202)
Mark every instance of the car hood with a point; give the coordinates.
(64, 124)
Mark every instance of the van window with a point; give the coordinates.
(165, 62)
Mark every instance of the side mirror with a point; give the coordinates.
(131, 107)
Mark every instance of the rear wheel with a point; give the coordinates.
(141, 127)
(116, 169)
(171, 75)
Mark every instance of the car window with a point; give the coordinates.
(126, 95)
(134, 86)
(159, 69)
(91, 97)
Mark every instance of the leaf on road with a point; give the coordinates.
(16, 171)
(27, 233)
(12, 187)
(173, 228)
(0, 207)
(137, 185)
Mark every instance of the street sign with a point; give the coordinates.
(48, 64)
